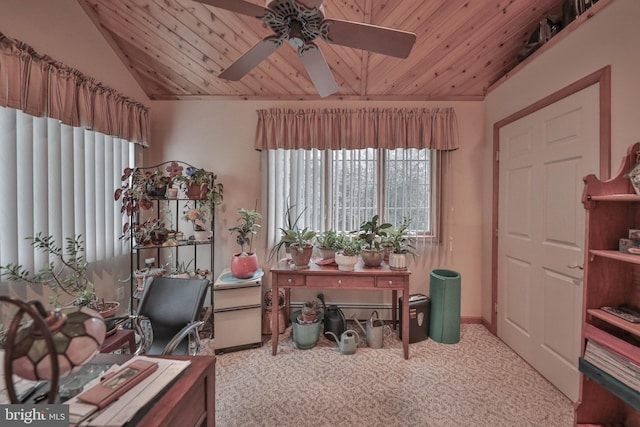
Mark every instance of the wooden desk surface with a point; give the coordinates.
(362, 278)
(189, 402)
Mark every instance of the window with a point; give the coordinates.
(340, 189)
(58, 180)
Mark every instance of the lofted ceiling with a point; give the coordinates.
(176, 49)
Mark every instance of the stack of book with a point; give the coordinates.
(619, 367)
(613, 363)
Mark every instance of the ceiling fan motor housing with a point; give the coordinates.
(291, 20)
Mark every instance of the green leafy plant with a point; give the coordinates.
(327, 239)
(67, 274)
(299, 239)
(371, 233)
(399, 240)
(289, 230)
(204, 179)
(348, 247)
(247, 228)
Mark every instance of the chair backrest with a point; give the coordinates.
(171, 304)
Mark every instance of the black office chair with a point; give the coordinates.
(172, 306)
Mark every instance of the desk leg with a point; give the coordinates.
(275, 308)
(394, 309)
(405, 319)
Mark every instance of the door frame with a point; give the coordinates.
(603, 77)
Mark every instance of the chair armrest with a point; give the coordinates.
(190, 328)
(135, 320)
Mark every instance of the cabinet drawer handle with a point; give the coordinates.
(289, 281)
(390, 282)
(339, 281)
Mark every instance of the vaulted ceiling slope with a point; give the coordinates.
(176, 49)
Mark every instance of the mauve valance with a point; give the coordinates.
(357, 128)
(42, 87)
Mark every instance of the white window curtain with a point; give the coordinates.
(58, 180)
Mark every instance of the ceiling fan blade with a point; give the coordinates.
(318, 69)
(251, 58)
(387, 41)
(238, 6)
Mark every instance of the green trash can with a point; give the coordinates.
(444, 291)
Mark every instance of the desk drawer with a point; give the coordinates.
(389, 282)
(340, 281)
(291, 280)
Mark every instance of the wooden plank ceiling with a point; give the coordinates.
(177, 48)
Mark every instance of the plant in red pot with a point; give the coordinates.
(245, 263)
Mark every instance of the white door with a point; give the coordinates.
(542, 159)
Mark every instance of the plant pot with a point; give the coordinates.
(301, 256)
(244, 265)
(397, 261)
(201, 235)
(157, 191)
(159, 236)
(346, 262)
(305, 335)
(197, 191)
(172, 193)
(326, 253)
(372, 257)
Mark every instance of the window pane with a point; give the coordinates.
(408, 188)
(354, 188)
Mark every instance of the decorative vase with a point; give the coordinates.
(244, 265)
(301, 256)
(372, 257)
(397, 261)
(346, 262)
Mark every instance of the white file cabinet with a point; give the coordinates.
(237, 311)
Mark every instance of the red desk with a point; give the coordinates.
(119, 339)
(362, 278)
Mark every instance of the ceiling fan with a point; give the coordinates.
(299, 22)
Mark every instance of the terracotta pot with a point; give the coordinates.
(301, 256)
(197, 191)
(244, 266)
(372, 257)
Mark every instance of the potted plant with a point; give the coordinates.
(371, 234)
(290, 226)
(309, 312)
(245, 263)
(400, 244)
(326, 243)
(300, 245)
(200, 184)
(133, 193)
(347, 251)
(199, 217)
(66, 275)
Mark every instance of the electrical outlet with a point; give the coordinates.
(120, 293)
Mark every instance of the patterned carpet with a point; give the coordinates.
(477, 382)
